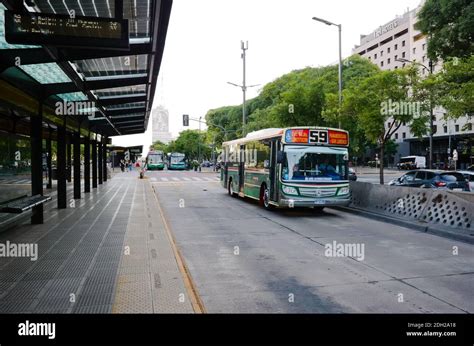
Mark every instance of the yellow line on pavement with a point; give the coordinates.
(196, 302)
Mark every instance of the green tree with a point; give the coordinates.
(449, 25)
(356, 69)
(457, 87)
(158, 145)
(377, 102)
(191, 143)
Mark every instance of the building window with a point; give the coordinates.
(414, 50)
(445, 129)
(388, 50)
(424, 46)
(403, 55)
(403, 65)
(396, 67)
(403, 43)
(381, 53)
(469, 127)
(404, 135)
(396, 57)
(435, 129)
(424, 58)
(370, 58)
(396, 47)
(396, 136)
(381, 63)
(404, 124)
(388, 61)
(456, 128)
(375, 56)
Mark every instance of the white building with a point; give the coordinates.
(160, 125)
(398, 39)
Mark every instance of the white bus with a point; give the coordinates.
(292, 167)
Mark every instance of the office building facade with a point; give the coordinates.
(399, 40)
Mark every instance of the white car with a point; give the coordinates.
(469, 175)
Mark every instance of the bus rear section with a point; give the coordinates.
(286, 168)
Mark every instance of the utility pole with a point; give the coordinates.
(199, 145)
(431, 118)
(430, 69)
(244, 46)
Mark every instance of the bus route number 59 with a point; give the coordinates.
(318, 136)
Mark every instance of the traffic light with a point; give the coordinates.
(185, 120)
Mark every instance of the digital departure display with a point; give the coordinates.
(62, 30)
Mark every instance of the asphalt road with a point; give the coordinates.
(246, 259)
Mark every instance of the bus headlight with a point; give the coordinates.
(289, 190)
(343, 191)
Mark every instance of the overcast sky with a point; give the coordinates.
(202, 51)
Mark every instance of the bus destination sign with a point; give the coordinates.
(317, 136)
(63, 30)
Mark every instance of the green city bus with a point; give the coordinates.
(177, 161)
(292, 167)
(154, 160)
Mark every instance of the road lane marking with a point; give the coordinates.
(164, 179)
(175, 179)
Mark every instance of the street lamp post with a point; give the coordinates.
(244, 47)
(199, 145)
(430, 70)
(339, 26)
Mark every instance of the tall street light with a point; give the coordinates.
(244, 47)
(339, 26)
(430, 70)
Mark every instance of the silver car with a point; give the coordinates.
(469, 175)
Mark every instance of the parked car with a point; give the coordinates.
(352, 174)
(412, 162)
(205, 164)
(470, 168)
(469, 175)
(428, 178)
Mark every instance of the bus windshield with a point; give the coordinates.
(176, 158)
(155, 158)
(315, 163)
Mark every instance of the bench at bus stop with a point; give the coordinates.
(21, 204)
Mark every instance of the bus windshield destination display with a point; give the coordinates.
(316, 136)
(62, 30)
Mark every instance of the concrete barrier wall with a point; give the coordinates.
(438, 208)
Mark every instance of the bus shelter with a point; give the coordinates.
(64, 93)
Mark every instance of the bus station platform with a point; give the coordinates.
(111, 252)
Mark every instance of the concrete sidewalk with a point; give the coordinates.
(111, 252)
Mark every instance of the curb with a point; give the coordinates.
(424, 228)
(190, 285)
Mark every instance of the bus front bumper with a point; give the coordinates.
(320, 202)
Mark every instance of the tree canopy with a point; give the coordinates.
(449, 25)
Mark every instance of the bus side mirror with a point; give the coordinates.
(266, 164)
(280, 156)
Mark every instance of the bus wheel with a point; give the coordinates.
(265, 197)
(230, 188)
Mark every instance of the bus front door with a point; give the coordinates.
(241, 168)
(273, 170)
